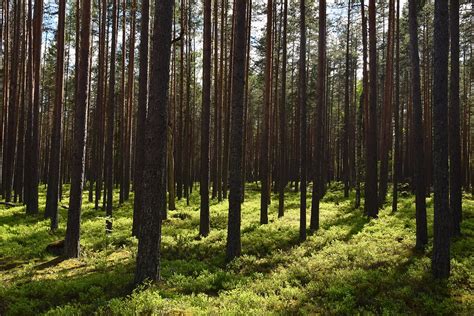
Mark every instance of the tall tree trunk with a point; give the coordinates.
(204, 223)
(454, 122)
(319, 164)
(442, 216)
(419, 172)
(154, 171)
(109, 148)
(371, 207)
(387, 108)
(345, 138)
(282, 176)
(100, 104)
(397, 155)
(265, 153)
(12, 120)
(126, 171)
(303, 128)
(235, 164)
(141, 118)
(72, 247)
(55, 155)
(32, 203)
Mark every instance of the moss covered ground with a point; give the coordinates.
(352, 265)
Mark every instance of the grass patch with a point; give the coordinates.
(352, 265)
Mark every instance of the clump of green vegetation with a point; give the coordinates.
(352, 265)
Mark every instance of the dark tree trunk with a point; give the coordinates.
(387, 108)
(371, 207)
(282, 177)
(442, 216)
(11, 135)
(100, 105)
(396, 111)
(72, 247)
(265, 153)
(345, 138)
(109, 148)
(141, 117)
(302, 106)
(55, 155)
(32, 202)
(319, 161)
(236, 134)
(454, 122)
(154, 171)
(419, 168)
(204, 223)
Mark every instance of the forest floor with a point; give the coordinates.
(351, 265)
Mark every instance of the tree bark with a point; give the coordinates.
(55, 155)
(237, 98)
(109, 147)
(442, 216)
(154, 171)
(455, 174)
(141, 118)
(303, 123)
(419, 168)
(72, 246)
(371, 202)
(204, 223)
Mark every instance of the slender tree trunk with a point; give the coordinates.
(419, 176)
(32, 203)
(319, 164)
(442, 216)
(126, 172)
(204, 223)
(303, 128)
(396, 111)
(72, 247)
(100, 105)
(345, 138)
(387, 108)
(235, 164)
(154, 172)
(455, 174)
(282, 177)
(109, 148)
(141, 118)
(55, 156)
(246, 99)
(12, 120)
(371, 207)
(265, 153)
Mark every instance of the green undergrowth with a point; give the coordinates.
(351, 265)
